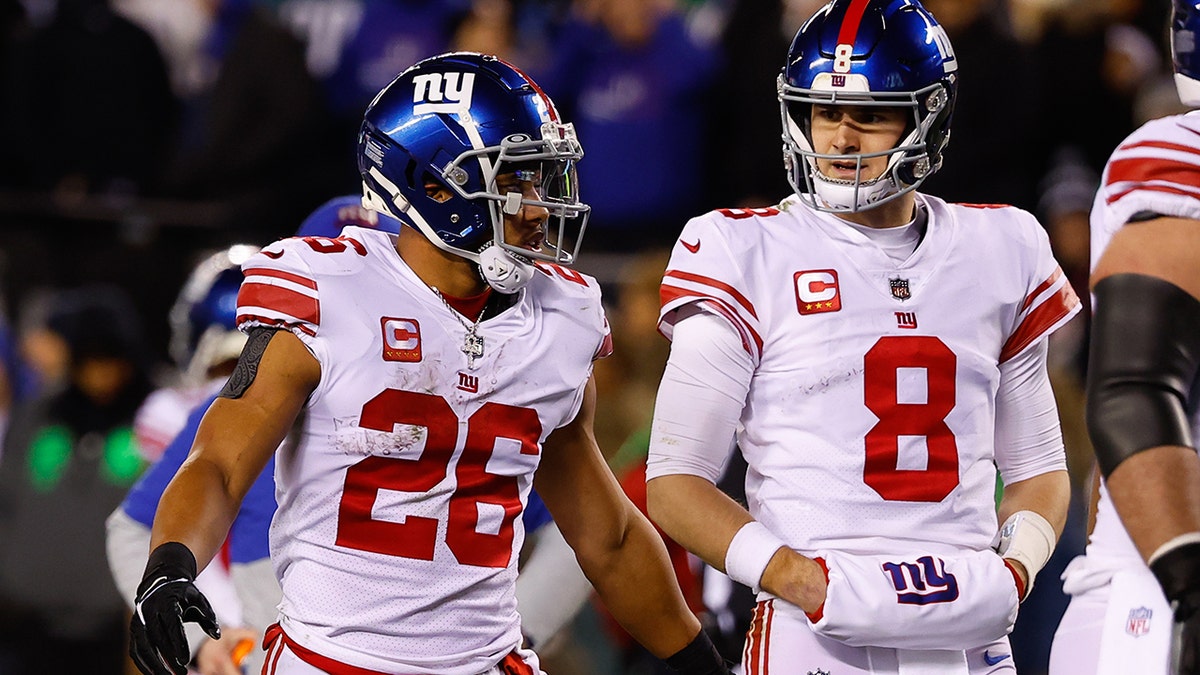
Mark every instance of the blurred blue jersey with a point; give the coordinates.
(248, 535)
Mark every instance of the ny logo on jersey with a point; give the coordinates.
(923, 582)
(906, 320)
(817, 291)
(401, 340)
(468, 383)
(442, 93)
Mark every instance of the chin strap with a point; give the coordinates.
(503, 270)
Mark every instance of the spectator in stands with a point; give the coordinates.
(68, 459)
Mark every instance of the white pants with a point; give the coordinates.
(782, 643)
(283, 659)
(1117, 628)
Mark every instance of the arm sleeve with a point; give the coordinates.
(1028, 436)
(701, 397)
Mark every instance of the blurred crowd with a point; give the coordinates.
(138, 135)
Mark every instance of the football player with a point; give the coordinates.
(437, 369)
(205, 345)
(1142, 563)
(878, 355)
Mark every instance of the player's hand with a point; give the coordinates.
(167, 598)
(1185, 638)
(1178, 572)
(225, 656)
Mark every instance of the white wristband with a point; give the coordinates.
(1172, 544)
(749, 552)
(1027, 538)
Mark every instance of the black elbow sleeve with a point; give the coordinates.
(1145, 353)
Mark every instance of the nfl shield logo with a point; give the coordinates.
(900, 288)
(1139, 621)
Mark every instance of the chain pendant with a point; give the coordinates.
(472, 347)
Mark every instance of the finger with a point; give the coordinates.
(144, 656)
(226, 667)
(199, 610)
(215, 659)
(1189, 658)
(166, 632)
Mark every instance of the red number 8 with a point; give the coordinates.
(881, 471)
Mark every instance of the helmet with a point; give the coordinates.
(1185, 23)
(868, 53)
(330, 217)
(203, 319)
(461, 119)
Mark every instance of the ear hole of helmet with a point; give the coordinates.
(436, 189)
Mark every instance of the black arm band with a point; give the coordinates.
(700, 657)
(172, 560)
(1145, 353)
(1178, 572)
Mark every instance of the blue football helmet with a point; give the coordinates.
(204, 317)
(1185, 24)
(868, 53)
(462, 119)
(329, 218)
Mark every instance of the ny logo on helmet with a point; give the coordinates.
(442, 92)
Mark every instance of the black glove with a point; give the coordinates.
(165, 599)
(1178, 572)
(700, 657)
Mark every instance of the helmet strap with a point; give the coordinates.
(504, 270)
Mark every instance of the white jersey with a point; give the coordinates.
(869, 423)
(1155, 170)
(398, 526)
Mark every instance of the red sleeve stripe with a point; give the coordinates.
(280, 295)
(279, 274)
(605, 349)
(1161, 145)
(716, 285)
(1153, 188)
(851, 21)
(255, 319)
(1042, 288)
(674, 297)
(1153, 169)
(1037, 323)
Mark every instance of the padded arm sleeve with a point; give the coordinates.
(1028, 435)
(1145, 353)
(701, 397)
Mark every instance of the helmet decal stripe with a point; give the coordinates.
(851, 21)
(553, 112)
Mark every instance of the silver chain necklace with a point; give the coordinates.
(472, 344)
